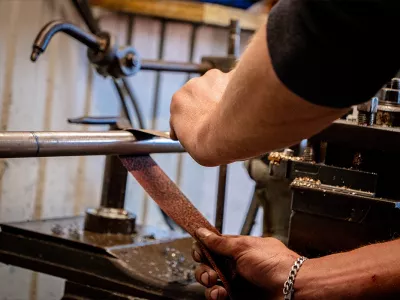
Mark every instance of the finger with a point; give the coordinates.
(205, 275)
(219, 244)
(197, 254)
(216, 293)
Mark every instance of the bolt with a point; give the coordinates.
(362, 118)
(308, 154)
(130, 60)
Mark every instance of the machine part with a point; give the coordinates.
(234, 38)
(308, 154)
(329, 175)
(135, 104)
(288, 152)
(115, 61)
(108, 58)
(221, 195)
(15, 144)
(165, 66)
(75, 291)
(114, 183)
(273, 195)
(353, 135)
(85, 11)
(83, 8)
(367, 112)
(251, 215)
(357, 161)
(233, 51)
(352, 219)
(50, 29)
(131, 265)
(175, 204)
(389, 105)
(110, 220)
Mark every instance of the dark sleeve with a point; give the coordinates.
(335, 53)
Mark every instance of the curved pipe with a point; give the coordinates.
(50, 29)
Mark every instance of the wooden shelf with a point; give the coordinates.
(195, 12)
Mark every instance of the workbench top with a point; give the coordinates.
(188, 11)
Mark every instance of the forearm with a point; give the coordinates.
(371, 272)
(257, 113)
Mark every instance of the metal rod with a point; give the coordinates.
(233, 50)
(251, 215)
(125, 110)
(157, 84)
(219, 213)
(234, 38)
(69, 143)
(168, 66)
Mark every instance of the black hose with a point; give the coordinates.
(134, 103)
(84, 10)
(123, 103)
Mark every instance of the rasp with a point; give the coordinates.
(176, 205)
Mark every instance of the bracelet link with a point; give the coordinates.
(288, 287)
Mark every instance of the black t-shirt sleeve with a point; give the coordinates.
(335, 53)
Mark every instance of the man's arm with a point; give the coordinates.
(221, 118)
(321, 57)
(257, 113)
(371, 272)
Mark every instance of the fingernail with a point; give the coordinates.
(204, 278)
(203, 233)
(197, 256)
(214, 294)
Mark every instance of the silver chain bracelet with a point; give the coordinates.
(288, 290)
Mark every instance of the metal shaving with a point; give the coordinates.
(276, 157)
(306, 182)
(179, 269)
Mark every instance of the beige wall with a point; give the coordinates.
(60, 85)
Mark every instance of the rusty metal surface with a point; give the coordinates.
(71, 229)
(114, 263)
(175, 204)
(171, 263)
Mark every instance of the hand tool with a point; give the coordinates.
(175, 204)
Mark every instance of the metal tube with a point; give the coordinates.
(233, 49)
(50, 29)
(220, 209)
(51, 143)
(159, 65)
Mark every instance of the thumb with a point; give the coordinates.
(218, 244)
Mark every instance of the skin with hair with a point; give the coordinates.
(221, 118)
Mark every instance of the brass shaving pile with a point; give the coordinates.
(276, 157)
(306, 182)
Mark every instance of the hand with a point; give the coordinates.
(262, 263)
(191, 108)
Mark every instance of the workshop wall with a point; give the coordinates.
(60, 85)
